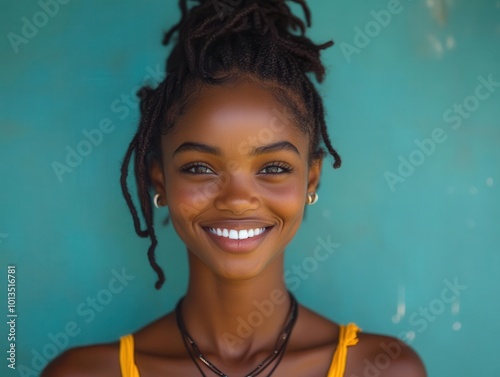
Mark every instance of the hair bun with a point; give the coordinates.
(213, 20)
(261, 16)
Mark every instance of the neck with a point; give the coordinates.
(234, 319)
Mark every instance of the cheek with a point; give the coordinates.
(185, 203)
(287, 202)
(188, 200)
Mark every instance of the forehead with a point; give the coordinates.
(235, 113)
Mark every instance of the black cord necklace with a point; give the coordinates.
(277, 354)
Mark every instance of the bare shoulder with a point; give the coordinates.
(383, 356)
(96, 360)
(104, 359)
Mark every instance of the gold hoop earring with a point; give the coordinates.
(312, 198)
(156, 201)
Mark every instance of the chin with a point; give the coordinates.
(240, 270)
(236, 269)
(238, 274)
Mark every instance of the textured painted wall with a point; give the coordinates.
(411, 220)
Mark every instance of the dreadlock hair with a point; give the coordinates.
(255, 41)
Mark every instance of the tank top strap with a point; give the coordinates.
(348, 336)
(127, 363)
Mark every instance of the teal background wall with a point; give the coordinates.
(404, 231)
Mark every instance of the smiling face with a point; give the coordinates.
(235, 173)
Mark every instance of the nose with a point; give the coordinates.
(237, 194)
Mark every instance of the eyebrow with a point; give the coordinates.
(198, 147)
(205, 148)
(275, 147)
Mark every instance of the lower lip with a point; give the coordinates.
(237, 246)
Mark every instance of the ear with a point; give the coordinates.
(314, 174)
(157, 178)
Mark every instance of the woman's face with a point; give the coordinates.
(235, 178)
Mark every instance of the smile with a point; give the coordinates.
(234, 234)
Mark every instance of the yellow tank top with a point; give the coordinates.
(347, 337)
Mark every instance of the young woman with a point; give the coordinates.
(230, 143)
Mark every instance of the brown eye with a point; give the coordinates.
(197, 168)
(276, 168)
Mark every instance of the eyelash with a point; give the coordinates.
(285, 168)
(188, 167)
(278, 164)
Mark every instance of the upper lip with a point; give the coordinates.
(237, 224)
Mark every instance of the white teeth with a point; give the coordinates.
(234, 234)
